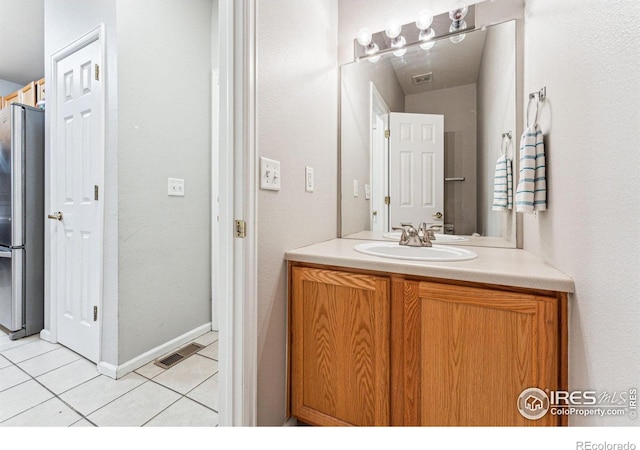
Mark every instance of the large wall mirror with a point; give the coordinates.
(421, 134)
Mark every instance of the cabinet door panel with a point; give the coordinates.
(28, 94)
(479, 349)
(340, 347)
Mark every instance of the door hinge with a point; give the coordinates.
(387, 134)
(95, 192)
(97, 72)
(95, 313)
(387, 200)
(241, 229)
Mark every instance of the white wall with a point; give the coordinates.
(496, 115)
(7, 87)
(64, 22)
(164, 81)
(297, 96)
(585, 53)
(458, 105)
(355, 133)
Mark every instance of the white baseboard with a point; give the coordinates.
(121, 370)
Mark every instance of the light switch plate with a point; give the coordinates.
(367, 192)
(269, 174)
(308, 177)
(355, 188)
(176, 187)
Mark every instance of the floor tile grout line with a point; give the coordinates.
(32, 357)
(50, 391)
(82, 416)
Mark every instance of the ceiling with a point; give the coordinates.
(21, 40)
(451, 64)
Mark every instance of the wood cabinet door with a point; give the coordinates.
(28, 94)
(12, 98)
(339, 347)
(468, 353)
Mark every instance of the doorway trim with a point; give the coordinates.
(50, 332)
(236, 268)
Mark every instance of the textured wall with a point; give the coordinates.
(458, 105)
(585, 53)
(164, 59)
(355, 134)
(297, 96)
(7, 87)
(496, 115)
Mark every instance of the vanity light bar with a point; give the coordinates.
(440, 25)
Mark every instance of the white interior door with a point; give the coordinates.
(416, 169)
(77, 175)
(379, 213)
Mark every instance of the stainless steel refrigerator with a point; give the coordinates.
(21, 220)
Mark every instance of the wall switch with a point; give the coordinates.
(308, 176)
(367, 192)
(355, 188)
(176, 187)
(269, 174)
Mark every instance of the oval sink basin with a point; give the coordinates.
(396, 251)
(440, 238)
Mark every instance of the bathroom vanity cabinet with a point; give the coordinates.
(378, 349)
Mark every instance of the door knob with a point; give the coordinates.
(375, 213)
(437, 215)
(55, 216)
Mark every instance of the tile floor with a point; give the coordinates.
(44, 384)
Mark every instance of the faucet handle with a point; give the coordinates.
(404, 237)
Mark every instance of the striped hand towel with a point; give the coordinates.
(531, 194)
(503, 185)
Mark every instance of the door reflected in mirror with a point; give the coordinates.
(420, 136)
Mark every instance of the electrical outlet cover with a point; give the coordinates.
(176, 187)
(269, 174)
(308, 176)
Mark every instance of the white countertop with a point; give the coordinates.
(475, 241)
(500, 266)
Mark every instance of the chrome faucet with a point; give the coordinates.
(429, 230)
(412, 237)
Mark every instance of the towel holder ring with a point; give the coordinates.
(539, 97)
(535, 117)
(506, 138)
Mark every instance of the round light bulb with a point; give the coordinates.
(427, 45)
(371, 49)
(424, 20)
(374, 59)
(364, 36)
(459, 11)
(458, 38)
(426, 37)
(393, 29)
(400, 52)
(457, 26)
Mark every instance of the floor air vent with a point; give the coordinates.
(174, 358)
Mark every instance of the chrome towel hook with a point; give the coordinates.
(539, 97)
